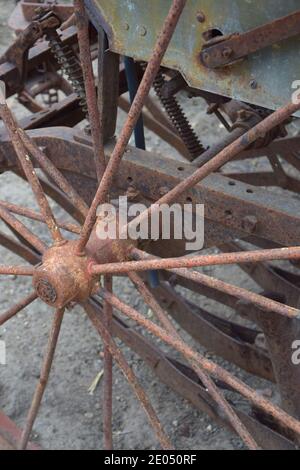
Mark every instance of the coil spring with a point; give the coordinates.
(70, 67)
(179, 119)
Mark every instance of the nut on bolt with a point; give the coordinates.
(249, 223)
(200, 17)
(227, 52)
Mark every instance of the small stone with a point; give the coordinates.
(209, 428)
(89, 415)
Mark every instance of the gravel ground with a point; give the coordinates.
(71, 418)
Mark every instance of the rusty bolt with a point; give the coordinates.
(200, 17)
(163, 190)
(205, 56)
(227, 52)
(249, 223)
(142, 31)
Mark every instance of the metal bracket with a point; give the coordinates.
(228, 50)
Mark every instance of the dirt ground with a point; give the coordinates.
(70, 417)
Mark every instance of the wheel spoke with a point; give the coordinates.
(290, 253)
(29, 170)
(16, 270)
(216, 162)
(129, 374)
(13, 311)
(133, 115)
(213, 369)
(45, 372)
(108, 372)
(50, 169)
(52, 191)
(264, 303)
(22, 230)
(30, 214)
(213, 390)
(90, 87)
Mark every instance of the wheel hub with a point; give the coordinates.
(63, 277)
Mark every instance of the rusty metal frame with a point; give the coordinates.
(80, 262)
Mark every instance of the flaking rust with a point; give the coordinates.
(223, 56)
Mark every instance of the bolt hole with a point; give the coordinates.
(180, 168)
(211, 34)
(129, 179)
(232, 183)
(228, 213)
(250, 191)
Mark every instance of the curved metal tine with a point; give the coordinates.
(30, 214)
(28, 168)
(13, 311)
(90, 88)
(50, 170)
(32, 239)
(213, 369)
(108, 372)
(152, 69)
(45, 372)
(213, 390)
(128, 373)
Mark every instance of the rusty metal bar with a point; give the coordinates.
(184, 381)
(13, 311)
(29, 170)
(213, 390)
(242, 294)
(213, 369)
(16, 270)
(129, 374)
(136, 108)
(44, 377)
(290, 253)
(53, 172)
(221, 158)
(28, 254)
(108, 372)
(165, 133)
(20, 228)
(30, 214)
(240, 45)
(90, 87)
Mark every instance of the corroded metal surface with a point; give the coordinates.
(237, 206)
(134, 31)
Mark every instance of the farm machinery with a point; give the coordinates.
(72, 67)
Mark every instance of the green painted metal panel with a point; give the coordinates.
(133, 25)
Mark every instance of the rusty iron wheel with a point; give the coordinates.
(81, 271)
